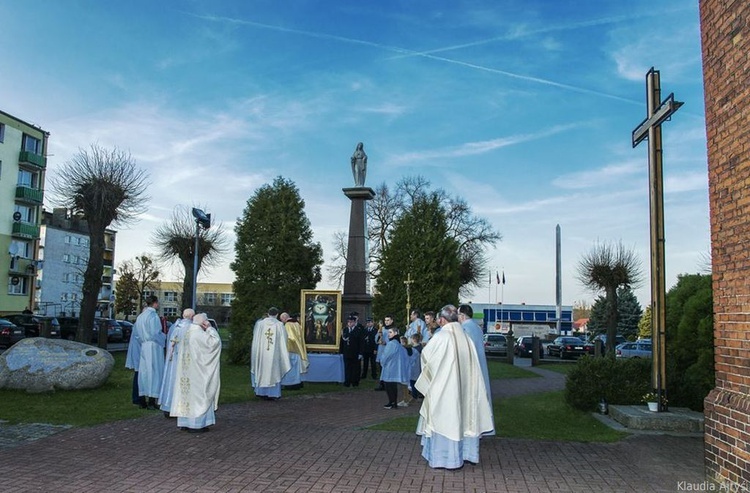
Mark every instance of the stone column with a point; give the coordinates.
(356, 296)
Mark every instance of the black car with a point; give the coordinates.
(127, 329)
(9, 333)
(524, 347)
(69, 327)
(35, 325)
(566, 346)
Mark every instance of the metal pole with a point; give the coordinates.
(195, 264)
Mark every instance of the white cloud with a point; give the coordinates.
(606, 175)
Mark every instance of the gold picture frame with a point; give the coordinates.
(320, 317)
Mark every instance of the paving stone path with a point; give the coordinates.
(321, 444)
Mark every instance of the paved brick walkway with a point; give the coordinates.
(320, 444)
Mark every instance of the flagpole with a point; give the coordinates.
(502, 299)
(489, 286)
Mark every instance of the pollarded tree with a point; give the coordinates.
(175, 239)
(419, 246)
(275, 257)
(607, 267)
(105, 187)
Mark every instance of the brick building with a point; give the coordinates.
(725, 33)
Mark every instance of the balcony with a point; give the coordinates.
(27, 157)
(29, 195)
(22, 267)
(25, 230)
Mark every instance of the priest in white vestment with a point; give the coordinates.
(269, 357)
(456, 410)
(147, 330)
(196, 391)
(297, 352)
(174, 338)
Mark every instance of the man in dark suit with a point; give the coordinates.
(369, 348)
(351, 348)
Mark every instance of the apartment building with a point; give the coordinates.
(214, 298)
(65, 253)
(23, 147)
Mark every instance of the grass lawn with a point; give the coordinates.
(563, 368)
(543, 416)
(111, 401)
(500, 369)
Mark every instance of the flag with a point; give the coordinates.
(497, 274)
(503, 278)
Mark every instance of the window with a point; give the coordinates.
(2, 132)
(147, 293)
(28, 214)
(18, 285)
(68, 239)
(170, 311)
(226, 298)
(22, 248)
(209, 298)
(84, 242)
(64, 297)
(170, 296)
(66, 258)
(32, 144)
(74, 296)
(26, 178)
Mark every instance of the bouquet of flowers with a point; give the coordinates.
(653, 397)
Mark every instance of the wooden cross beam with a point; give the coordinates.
(650, 129)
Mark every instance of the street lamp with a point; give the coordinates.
(204, 220)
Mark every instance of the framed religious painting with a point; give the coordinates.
(321, 319)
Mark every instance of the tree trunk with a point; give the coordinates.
(612, 316)
(187, 285)
(92, 283)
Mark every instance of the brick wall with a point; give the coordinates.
(725, 33)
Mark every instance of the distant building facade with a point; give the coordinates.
(538, 320)
(213, 298)
(65, 253)
(23, 148)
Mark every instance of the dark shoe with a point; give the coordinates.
(390, 406)
(197, 430)
(184, 428)
(166, 414)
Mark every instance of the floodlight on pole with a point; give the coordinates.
(201, 219)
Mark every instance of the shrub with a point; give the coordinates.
(622, 381)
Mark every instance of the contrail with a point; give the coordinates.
(405, 51)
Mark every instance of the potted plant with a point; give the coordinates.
(652, 400)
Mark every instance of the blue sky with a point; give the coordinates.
(525, 108)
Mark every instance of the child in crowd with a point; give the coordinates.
(406, 377)
(395, 367)
(416, 364)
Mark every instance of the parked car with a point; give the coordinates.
(69, 326)
(567, 346)
(637, 349)
(114, 330)
(603, 337)
(495, 344)
(9, 333)
(127, 329)
(524, 347)
(35, 325)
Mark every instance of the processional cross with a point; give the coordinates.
(269, 337)
(650, 129)
(408, 283)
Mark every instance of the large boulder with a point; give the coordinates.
(37, 364)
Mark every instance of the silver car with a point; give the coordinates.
(637, 349)
(495, 344)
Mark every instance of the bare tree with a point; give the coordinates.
(105, 187)
(144, 272)
(606, 267)
(337, 268)
(175, 239)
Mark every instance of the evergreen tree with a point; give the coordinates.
(419, 246)
(689, 344)
(644, 326)
(275, 258)
(629, 313)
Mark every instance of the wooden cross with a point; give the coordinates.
(269, 337)
(408, 283)
(650, 129)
